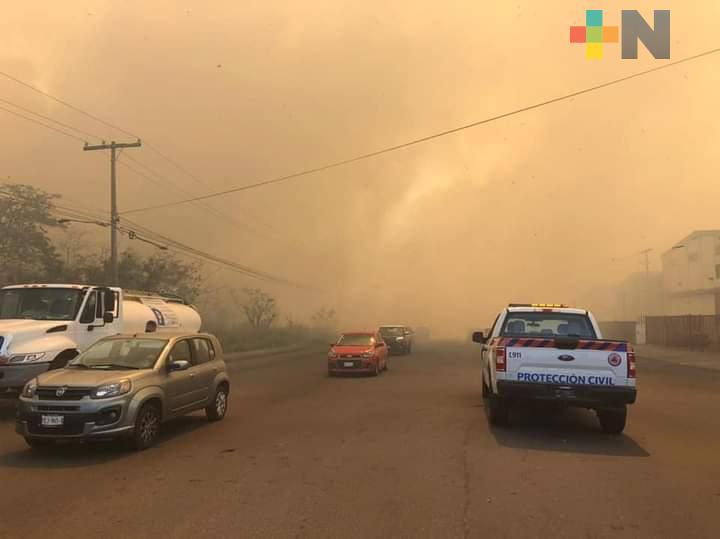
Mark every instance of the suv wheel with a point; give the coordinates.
(613, 421)
(147, 427)
(217, 409)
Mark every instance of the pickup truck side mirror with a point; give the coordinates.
(479, 337)
(108, 317)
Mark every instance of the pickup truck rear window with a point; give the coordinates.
(547, 325)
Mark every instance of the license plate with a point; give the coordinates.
(349, 364)
(52, 420)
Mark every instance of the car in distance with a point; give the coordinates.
(555, 354)
(126, 387)
(398, 338)
(362, 352)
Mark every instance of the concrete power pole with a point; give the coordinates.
(114, 217)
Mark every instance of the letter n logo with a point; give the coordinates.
(656, 39)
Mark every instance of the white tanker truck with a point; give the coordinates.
(43, 326)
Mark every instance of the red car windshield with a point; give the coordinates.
(356, 340)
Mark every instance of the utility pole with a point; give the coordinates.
(114, 217)
(647, 261)
(648, 292)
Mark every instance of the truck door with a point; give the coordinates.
(92, 326)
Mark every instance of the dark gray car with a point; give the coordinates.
(126, 386)
(398, 338)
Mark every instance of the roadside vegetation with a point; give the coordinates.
(36, 246)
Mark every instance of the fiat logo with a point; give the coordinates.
(615, 359)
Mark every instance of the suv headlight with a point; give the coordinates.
(111, 390)
(29, 389)
(401, 338)
(26, 358)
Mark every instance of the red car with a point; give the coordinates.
(358, 353)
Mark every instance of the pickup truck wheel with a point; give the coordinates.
(613, 421)
(147, 427)
(39, 443)
(498, 411)
(216, 410)
(485, 389)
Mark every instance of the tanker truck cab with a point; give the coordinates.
(555, 354)
(43, 326)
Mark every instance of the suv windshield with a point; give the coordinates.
(130, 353)
(394, 331)
(550, 324)
(40, 303)
(356, 340)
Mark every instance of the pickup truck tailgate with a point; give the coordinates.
(566, 361)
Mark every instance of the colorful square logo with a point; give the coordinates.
(594, 34)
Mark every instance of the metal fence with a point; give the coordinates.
(690, 330)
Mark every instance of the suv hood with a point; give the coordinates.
(87, 378)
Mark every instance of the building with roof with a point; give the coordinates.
(691, 274)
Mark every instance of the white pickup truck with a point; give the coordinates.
(43, 326)
(553, 353)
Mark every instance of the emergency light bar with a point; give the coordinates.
(540, 305)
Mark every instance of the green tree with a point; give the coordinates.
(161, 272)
(325, 319)
(260, 308)
(26, 252)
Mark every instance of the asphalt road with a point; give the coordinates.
(409, 454)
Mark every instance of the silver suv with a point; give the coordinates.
(126, 386)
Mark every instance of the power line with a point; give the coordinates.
(421, 140)
(157, 178)
(48, 118)
(179, 247)
(46, 126)
(69, 105)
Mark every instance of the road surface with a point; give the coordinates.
(408, 455)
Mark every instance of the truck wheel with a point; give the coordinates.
(216, 410)
(38, 443)
(613, 421)
(147, 427)
(498, 411)
(485, 388)
(62, 359)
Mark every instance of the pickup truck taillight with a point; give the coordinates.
(500, 364)
(631, 364)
